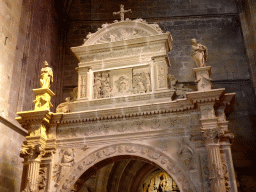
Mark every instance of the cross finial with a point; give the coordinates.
(122, 12)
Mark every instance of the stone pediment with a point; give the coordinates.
(122, 30)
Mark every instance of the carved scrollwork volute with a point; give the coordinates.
(32, 151)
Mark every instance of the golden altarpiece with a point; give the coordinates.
(128, 105)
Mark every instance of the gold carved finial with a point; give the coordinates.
(122, 12)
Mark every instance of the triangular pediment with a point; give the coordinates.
(122, 30)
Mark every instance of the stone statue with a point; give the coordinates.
(200, 53)
(46, 77)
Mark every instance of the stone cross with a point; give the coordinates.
(122, 12)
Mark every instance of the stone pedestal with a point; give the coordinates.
(203, 79)
(43, 99)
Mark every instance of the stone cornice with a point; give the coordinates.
(205, 96)
(31, 117)
(14, 127)
(122, 112)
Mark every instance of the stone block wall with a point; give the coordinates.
(247, 12)
(28, 36)
(39, 41)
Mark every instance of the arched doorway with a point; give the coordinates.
(142, 158)
(125, 173)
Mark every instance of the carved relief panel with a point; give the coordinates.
(121, 82)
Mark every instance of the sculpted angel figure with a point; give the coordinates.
(200, 53)
(46, 77)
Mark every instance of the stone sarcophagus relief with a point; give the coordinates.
(125, 107)
(123, 59)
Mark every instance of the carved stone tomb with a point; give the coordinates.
(128, 105)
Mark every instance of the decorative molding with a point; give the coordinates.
(205, 96)
(123, 112)
(14, 127)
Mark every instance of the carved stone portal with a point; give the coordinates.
(124, 107)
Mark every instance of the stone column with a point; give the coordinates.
(32, 155)
(33, 173)
(210, 133)
(207, 98)
(226, 139)
(37, 123)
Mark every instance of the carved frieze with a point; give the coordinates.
(123, 30)
(113, 127)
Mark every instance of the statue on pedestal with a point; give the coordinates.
(46, 77)
(200, 53)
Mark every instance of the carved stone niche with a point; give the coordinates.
(123, 59)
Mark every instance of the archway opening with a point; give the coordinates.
(126, 174)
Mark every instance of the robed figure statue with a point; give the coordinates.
(46, 77)
(200, 53)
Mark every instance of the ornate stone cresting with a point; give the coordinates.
(128, 30)
(37, 123)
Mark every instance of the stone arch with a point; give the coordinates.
(148, 153)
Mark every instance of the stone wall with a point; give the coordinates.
(11, 140)
(215, 24)
(247, 12)
(28, 36)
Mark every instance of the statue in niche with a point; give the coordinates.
(105, 85)
(141, 83)
(97, 86)
(200, 53)
(46, 77)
